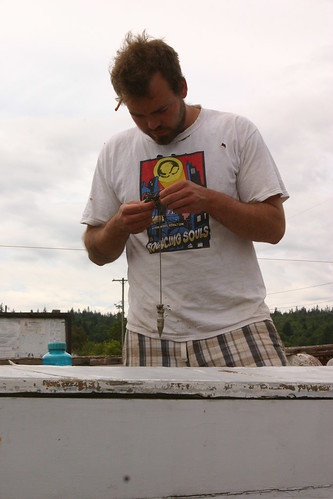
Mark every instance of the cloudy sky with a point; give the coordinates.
(270, 60)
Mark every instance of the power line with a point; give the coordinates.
(17, 246)
(57, 248)
(308, 209)
(299, 289)
(297, 305)
(40, 247)
(295, 260)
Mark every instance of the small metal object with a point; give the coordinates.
(155, 197)
(160, 318)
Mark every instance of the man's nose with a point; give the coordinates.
(153, 123)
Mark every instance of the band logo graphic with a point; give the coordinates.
(170, 231)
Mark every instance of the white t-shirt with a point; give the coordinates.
(211, 281)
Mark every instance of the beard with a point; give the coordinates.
(169, 134)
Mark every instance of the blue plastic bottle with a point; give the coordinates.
(57, 355)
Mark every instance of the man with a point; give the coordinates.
(190, 189)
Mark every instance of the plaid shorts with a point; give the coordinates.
(257, 344)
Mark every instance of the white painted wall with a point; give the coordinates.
(118, 448)
(144, 447)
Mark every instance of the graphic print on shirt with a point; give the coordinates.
(178, 232)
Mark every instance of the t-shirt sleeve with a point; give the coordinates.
(258, 176)
(103, 202)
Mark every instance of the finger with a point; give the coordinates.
(137, 218)
(172, 189)
(137, 208)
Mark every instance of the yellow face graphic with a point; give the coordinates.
(169, 171)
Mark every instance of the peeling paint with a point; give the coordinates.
(313, 388)
(70, 384)
(258, 383)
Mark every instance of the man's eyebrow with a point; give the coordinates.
(156, 111)
(133, 113)
(162, 108)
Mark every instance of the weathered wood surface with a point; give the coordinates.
(261, 382)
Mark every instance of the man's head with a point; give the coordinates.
(146, 76)
(139, 58)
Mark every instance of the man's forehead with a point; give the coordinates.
(149, 105)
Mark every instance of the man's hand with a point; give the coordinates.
(134, 217)
(105, 243)
(185, 197)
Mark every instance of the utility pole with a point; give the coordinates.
(122, 308)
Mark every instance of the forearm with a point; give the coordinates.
(105, 243)
(260, 222)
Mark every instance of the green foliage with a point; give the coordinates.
(79, 338)
(302, 327)
(96, 334)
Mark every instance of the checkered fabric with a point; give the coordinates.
(257, 344)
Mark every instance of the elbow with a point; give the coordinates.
(93, 254)
(275, 240)
(277, 235)
(98, 259)
(275, 221)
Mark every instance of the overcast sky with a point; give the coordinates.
(269, 60)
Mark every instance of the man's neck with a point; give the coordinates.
(192, 113)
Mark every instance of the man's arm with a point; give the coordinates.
(260, 222)
(105, 243)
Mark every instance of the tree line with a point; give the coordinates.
(94, 333)
(302, 327)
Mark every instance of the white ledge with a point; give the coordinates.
(254, 383)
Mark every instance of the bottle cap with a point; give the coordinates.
(57, 345)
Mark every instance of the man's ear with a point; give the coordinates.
(183, 88)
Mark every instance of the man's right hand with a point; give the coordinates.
(105, 243)
(134, 217)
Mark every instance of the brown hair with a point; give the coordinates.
(138, 59)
